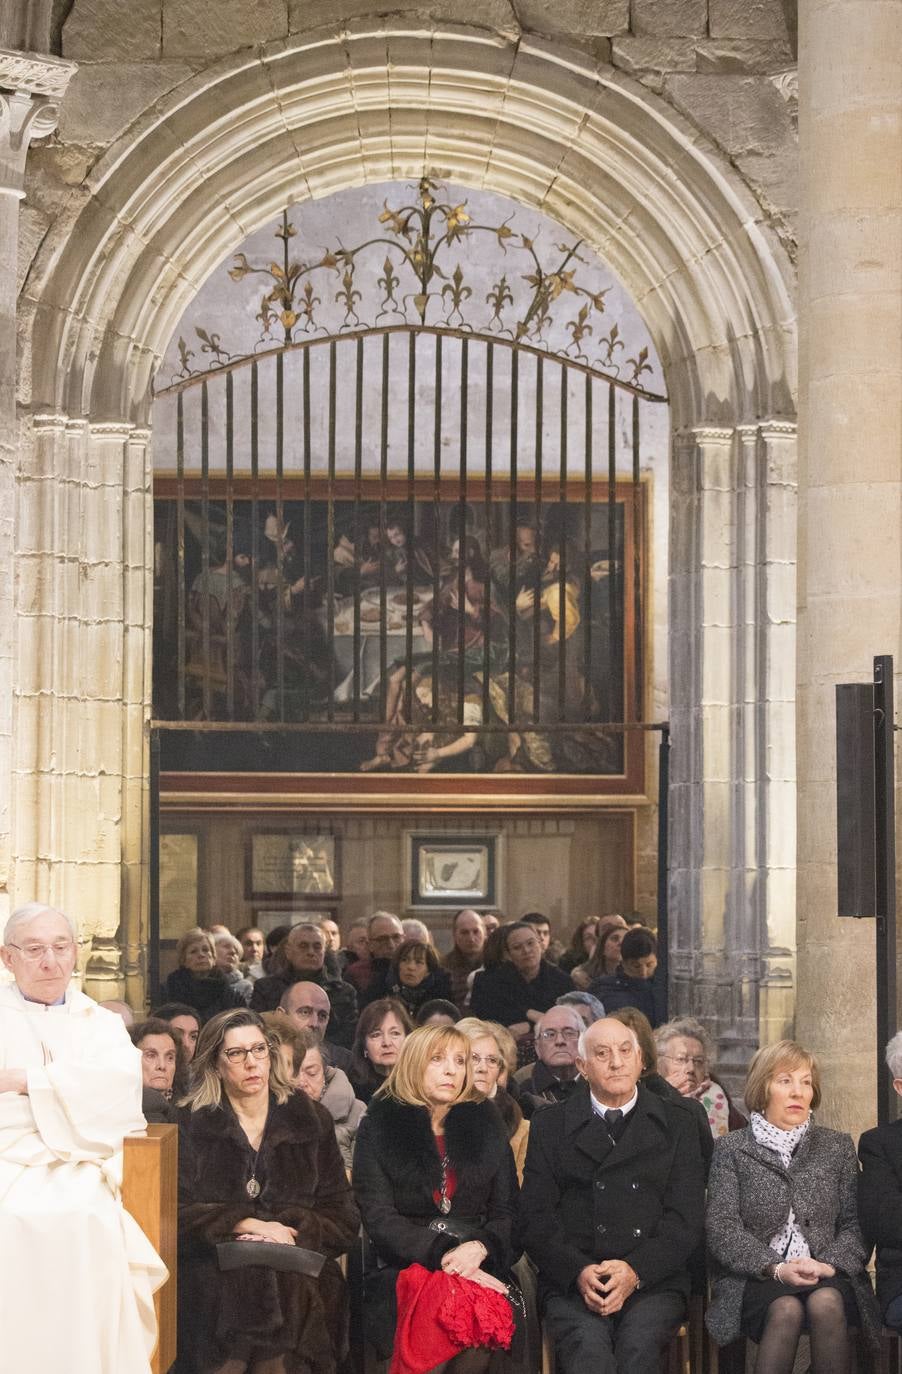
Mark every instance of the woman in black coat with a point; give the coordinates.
(434, 1179)
(258, 1162)
(197, 981)
(415, 977)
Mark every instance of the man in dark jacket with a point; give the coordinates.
(634, 984)
(517, 992)
(612, 1207)
(554, 1076)
(302, 956)
(880, 1198)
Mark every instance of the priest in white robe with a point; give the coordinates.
(77, 1274)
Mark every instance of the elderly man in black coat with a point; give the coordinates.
(611, 1209)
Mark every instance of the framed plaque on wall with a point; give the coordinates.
(300, 865)
(458, 871)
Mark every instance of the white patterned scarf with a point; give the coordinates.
(788, 1241)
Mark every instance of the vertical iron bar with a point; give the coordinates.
(180, 551)
(358, 542)
(308, 521)
(330, 536)
(230, 545)
(437, 519)
(411, 515)
(462, 530)
(587, 553)
(537, 600)
(383, 478)
(664, 865)
(613, 606)
(205, 541)
(283, 593)
(512, 543)
(487, 602)
(255, 546)
(562, 569)
(638, 664)
(153, 933)
(885, 934)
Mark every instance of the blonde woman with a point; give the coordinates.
(259, 1162)
(434, 1180)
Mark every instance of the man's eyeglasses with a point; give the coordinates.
(32, 952)
(260, 1051)
(549, 1035)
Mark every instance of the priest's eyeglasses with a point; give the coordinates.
(33, 952)
(260, 1051)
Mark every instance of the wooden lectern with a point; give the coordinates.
(150, 1194)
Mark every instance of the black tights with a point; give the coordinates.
(826, 1324)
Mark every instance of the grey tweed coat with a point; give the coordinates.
(749, 1197)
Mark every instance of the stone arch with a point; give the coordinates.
(614, 164)
(589, 146)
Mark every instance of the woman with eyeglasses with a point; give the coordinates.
(435, 1182)
(493, 1055)
(258, 1163)
(381, 1031)
(684, 1057)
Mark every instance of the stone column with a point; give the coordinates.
(31, 88)
(732, 795)
(850, 486)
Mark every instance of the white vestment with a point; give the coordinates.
(77, 1273)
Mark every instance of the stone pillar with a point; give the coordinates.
(84, 603)
(733, 799)
(850, 486)
(30, 91)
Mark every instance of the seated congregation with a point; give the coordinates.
(428, 1181)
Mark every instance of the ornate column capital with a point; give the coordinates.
(31, 89)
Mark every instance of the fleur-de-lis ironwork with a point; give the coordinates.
(499, 296)
(457, 293)
(416, 279)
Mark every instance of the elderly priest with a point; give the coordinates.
(78, 1272)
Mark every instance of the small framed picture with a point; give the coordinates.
(454, 872)
(288, 863)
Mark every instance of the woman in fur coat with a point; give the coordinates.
(258, 1162)
(434, 1179)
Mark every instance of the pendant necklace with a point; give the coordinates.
(252, 1187)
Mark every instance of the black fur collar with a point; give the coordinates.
(473, 1133)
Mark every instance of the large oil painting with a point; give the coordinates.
(416, 635)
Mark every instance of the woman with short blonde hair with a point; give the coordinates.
(782, 1224)
(197, 981)
(434, 1179)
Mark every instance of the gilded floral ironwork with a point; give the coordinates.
(424, 281)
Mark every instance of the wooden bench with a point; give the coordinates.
(150, 1194)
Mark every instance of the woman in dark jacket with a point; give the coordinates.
(258, 1162)
(782, 1224)
(416, 977)
(381, 1031)
(434, 1178)
(197, 981)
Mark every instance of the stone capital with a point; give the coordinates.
(31, 89)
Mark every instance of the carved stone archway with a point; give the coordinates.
(221, 155)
